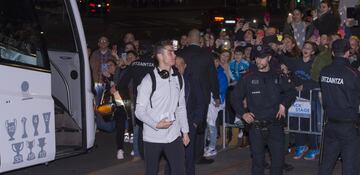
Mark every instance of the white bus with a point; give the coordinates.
(46, 109)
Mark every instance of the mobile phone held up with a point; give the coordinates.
(123, 56)
(175, 44)
(253, 24)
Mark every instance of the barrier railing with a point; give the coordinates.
(304, 109)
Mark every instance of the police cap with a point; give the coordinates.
(262, 51)
(340, 46)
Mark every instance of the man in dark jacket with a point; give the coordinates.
(203, 74)
(268, 95)
(135, 73)
(340, 87)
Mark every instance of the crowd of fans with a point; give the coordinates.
(300, 50)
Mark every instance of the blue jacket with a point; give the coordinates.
(223, 83)
(236, 69)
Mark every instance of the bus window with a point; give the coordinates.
(55, 23)
(20, 37)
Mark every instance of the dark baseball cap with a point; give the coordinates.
(262, 51)
(340, 45)
(271, 39)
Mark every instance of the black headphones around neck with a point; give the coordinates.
(164, 74)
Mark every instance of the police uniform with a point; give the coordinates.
(264, 92)
(340, 86)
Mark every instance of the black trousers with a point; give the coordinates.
(189, 154)
(190, 151)
(341, 139)
(129, 118)
(200, 137)
(120, 116)
(274, 139)
(174, 153)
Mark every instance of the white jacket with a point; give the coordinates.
(167, 101)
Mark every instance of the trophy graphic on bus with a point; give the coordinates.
(35, 121)
(23, 121)
(31, 155)
(11, 128)
(42, 153)
(17, 147)
(47, 121)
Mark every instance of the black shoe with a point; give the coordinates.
(203, 160)
(288, 167)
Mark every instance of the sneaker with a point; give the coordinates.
(311, 154)
(206, 149)
(299, 152)
(210, 153)
(120, 154)
(126, 137)
(131, 139)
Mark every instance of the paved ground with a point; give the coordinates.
(102, 161)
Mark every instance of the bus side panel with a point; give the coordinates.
(90, 121)
(27, 120)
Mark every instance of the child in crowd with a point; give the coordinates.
(213, 110)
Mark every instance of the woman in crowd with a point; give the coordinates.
(354, 52)
(120, 113)
(289, 51)
(213, 110)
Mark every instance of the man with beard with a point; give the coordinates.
(268, 96)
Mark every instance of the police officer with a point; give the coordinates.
(268, 96)
(340, 87)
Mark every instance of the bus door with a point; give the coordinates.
(70, 75)
(27, 119)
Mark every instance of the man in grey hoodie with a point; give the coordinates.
(163, 113)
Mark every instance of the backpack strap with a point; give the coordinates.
(153, 86)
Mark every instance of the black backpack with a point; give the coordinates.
(153, 80)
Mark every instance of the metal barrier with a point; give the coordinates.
(227, 125)
(303, 109)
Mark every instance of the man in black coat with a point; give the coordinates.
(340, 87)
(203, 75)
